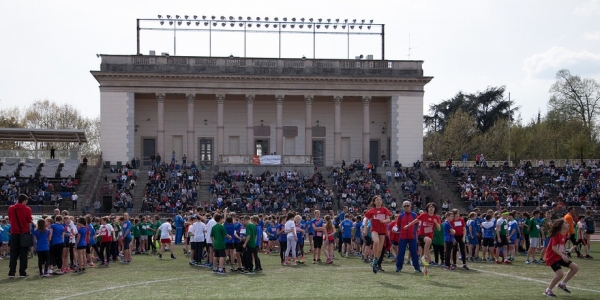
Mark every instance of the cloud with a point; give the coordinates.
(587, 8)
(592, 36)
(545, 65)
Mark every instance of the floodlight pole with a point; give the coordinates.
(245, 39)
(138, 37)
(348, 26)
(174, 38)
(210, 39)
(382, 41)
(279, 40)
(314, 42)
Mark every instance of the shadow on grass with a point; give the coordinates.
(439, 284)
(392, 286)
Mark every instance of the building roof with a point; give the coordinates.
(42, 135)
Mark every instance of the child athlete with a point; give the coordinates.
(379, 217)
(556, 257)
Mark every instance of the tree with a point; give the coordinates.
(10, 118)
(576, 97)
(459, 136)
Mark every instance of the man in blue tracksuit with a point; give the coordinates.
(179, 228)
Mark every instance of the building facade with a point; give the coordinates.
(220, 111)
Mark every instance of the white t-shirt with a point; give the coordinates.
(290, 226)
(165, 230)
(198, 229)
(209, 227)
(72, 232)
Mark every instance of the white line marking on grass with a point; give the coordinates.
(532, 280)
(122, 287)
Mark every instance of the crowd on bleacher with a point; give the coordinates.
(269, 192)
(543, 185)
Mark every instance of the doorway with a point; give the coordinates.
(206, 151)
(373, 153)
(148, 149)
(178, 147)
(318, 152)
(261, 147)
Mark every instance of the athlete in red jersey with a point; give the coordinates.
(556, 257)
(425, 233)
(379, 217)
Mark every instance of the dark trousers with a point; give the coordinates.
(56, 251)
(438, 252)
(459, 245)
(43, 261)
(104, 248)
(114, 250)
(198, 251)
(248, 255)
(414, 254)
(448, 252)
(17, 253)
(257, 259)
(282, 246)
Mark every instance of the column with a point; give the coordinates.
(160, 129)
(250, 124)
(220, 127)
(337, 130)
(191, 133)
(279, 124)
(366, 134)
(308, 99)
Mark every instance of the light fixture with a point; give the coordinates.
(293, 19)
(309, 25)
(258, 25)
(276, 19)
(159, 16)
(195, 17)
(266, 18)
(177, 17)
(222, 17)
(249, 18)
(231, 18)
(302, 19)
(197, 23)
(362, 21)
(371, 21)
(343, 26)
(223, 24)
(205, 23)
(188, 23)
(241, 24)
(282, 25)
(232, 24)
(326, 26)
(351, 26)
(303, 57)
(187, 17)
(284, 19)
(300, 26)
(170, 22)
(369, 27)
(354, 21)
(334, 26)
(360, 27)
(162, 22)
(257, 18)
(203, 17)
(318, 26)
(320, 20)
(337, 20)
(292, 26)
(168, 16)
(249, 25)
(345, 20)
(240, 18)
(266, 25)
(178, 22)
(214, 24)
(311, 19)
(213, 17)
(328, 20)
(274, 25)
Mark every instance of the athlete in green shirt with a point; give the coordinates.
(218, 235)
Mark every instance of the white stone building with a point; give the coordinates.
(220, 111)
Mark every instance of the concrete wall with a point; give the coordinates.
(407, 128)
(117, 126)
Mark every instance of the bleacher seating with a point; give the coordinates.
(69, 168)
(30, 167)
(9, 167)
(49, 168)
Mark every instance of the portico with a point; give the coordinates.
(215, 110)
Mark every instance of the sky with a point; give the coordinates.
(48, 48)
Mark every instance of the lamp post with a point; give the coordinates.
(293, 26)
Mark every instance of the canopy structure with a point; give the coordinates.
(42, 135)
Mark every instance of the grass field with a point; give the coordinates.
(348, 278)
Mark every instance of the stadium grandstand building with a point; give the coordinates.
(243, 111)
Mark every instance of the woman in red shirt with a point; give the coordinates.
(557, 258)
(379, 217)
(425, 234)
